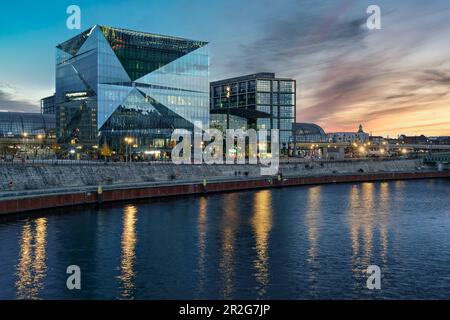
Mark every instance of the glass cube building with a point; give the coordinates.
(114, 83)
(257, 101)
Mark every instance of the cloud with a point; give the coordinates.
(299, 34)
(437, 77)
(11, 101)
(348, 75)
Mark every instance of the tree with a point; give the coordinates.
(105, 151)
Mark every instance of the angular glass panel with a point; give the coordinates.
(141, 53)
(72, 46)
(109, 98)
(110, 69)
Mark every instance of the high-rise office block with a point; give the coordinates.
(48, 105)
(257, 101)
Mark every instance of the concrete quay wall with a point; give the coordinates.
(42, 177)
(45, 200)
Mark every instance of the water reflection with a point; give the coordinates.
(368, 215)
(262, 224)
(229, 225)
(31, 269)
(202, 227)
(312, 220)
(367, 221)
(361, 223)
(384, 210)
(128, 256)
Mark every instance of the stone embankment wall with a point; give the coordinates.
(40, 177)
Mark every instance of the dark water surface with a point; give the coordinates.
(292, 243)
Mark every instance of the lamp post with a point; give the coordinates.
(128, 142)
(126, 149)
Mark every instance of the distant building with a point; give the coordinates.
(26, 125)
(334, 153)
(377, 139)
(48, 105)
(443, 140)
(391, 141)
(349, 137)
(308, 132)
(413, 139)
(256, 101)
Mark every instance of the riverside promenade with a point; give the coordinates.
(36, 186)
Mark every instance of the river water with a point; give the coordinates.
(293, 243)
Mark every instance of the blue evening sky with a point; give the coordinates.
(393, 79)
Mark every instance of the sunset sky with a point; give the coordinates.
(392, 81)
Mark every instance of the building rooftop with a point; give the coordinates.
(307, 128)
(79, 39)
(16, 123)
(260, 75)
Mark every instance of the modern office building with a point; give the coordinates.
(48, 105)
(113, 84)
(257, 101)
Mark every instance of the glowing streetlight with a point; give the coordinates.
(128, 141)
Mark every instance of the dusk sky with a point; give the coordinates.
(392, 81)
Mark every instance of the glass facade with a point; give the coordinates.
(19, 125)
(48, 105)
(113, 83)
(273, 97)
(308, 132)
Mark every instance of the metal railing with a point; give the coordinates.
(282, 160)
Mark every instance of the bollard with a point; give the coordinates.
(205, 183)
(100, 193)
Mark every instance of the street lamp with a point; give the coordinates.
(362, 150)
(128, 141)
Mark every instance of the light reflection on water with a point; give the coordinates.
(128, 246)
(202, 228)
(229, 245)
(312, 221)
(31, 269)
(262, 224)
(229, 224)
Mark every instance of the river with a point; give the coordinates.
(310, 242)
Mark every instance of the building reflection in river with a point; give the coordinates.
(368, 215)
(31, 269)
(128, 256)
(262, 224)
(384, 210)
(202, 228)
(229, 225)
(312, 222)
